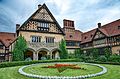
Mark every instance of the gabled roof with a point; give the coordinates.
(88, 36)
(7, 38)
(110, 29)
(42, 6)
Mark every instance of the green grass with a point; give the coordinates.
(38, 70)
(12, 73)
(113, 72)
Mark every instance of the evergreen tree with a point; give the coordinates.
(95, 52)
(19, 49)
(63, 50)
(107, 53)
(78, 53)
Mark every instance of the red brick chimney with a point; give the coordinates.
(68, 23)
(99, 25)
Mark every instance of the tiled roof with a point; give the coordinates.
(110, 29)
(87, 36)
(73, 36)
(7, 38)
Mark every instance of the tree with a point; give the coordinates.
(95, 52)
(19, 49)
(107, 52)
(63, 50)
(78, 53)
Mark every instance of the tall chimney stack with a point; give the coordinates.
(68, 23)
(99, 25)
(17, 26)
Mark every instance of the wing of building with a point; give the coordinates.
(43, 35)
(5, 41)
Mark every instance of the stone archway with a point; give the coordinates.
(55, 53)
(29, 53)
(42, 53)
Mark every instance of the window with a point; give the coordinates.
(85, 37)
(71, 36)
(36, 38)
(43, 27)
(91, 35)
(119, 27)
(1, 45)
(50, 39)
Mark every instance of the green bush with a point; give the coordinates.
(63, 50)
(114, 58)
(20, 63)
(71, 55)
(102, 59)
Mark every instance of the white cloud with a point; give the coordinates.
(86, 14)
(63, 6)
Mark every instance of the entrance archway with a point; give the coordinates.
(55, 54)
(42, 54)
(29, 54)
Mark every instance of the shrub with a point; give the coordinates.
(20, 63)
(78, 53)
(71, 56)
(95, 53)
(107, 52)
(28, 59)
(102, 59)
(43, 58)
(114, 58)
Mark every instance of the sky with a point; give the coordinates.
(85, 13)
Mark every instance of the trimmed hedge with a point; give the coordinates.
(99, 62)
(20, 63)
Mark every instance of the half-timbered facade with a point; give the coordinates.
(42, 33)
(5, 41)
(106, 36)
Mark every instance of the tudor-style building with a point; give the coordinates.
(42, 33)
(72, 36)
(106, 36)
(5, 40)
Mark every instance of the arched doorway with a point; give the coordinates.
(29, 54)
(55, 54)
(42, 54)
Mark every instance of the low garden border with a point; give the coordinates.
(104, 70)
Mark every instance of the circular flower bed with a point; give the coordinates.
(63, 66)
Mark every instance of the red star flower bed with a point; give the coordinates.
(62, 67)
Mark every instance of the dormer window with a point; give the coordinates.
(85, 37)
(119, 27)
(91, 35)
(71, 36)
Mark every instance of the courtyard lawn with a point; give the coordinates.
(38, 70)
(113, 72)
(12, 73)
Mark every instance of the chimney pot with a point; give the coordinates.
(39, 5)
(99, 25)
(17, 26)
